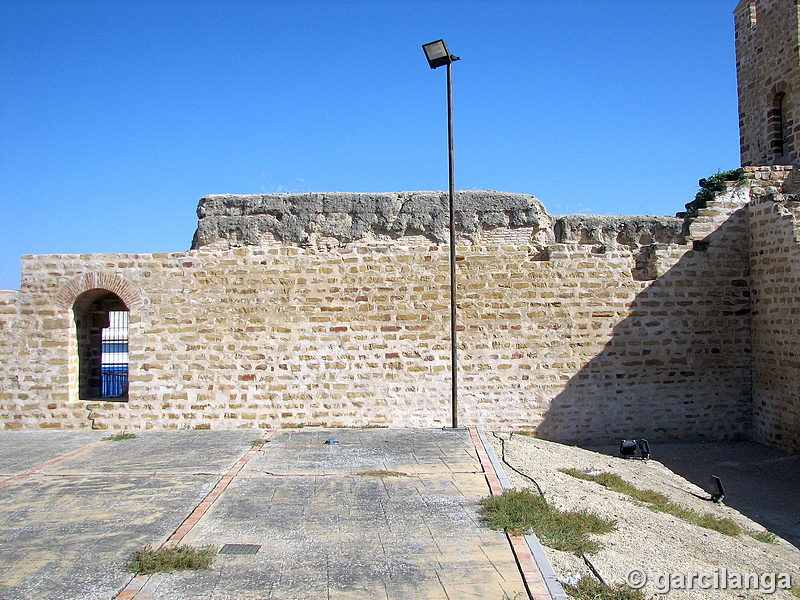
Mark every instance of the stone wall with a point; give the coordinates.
(591, 339)
(332, 309)
(334, 219)
(768, 71)
(775, 271)
(11, 336)
(322, 220)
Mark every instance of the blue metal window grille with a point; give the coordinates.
(114, 361)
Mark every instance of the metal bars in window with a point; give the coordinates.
(114, 361)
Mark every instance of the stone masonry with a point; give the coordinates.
(581, 328)
(774, 215)
(768, 70)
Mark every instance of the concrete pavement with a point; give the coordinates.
(74, 506)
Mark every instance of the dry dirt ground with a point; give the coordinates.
(663, 547)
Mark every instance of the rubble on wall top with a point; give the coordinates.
(622, 230)
(300, 219)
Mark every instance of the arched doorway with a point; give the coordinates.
(101, 324)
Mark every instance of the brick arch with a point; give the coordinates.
(779, 88)
(126, 291)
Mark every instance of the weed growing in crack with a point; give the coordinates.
(120, 436)
(163, 560)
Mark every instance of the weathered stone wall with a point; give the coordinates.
(775, 267)
(334, 219)
(589, 340)
(10, 338)
(332, 309)
(768, 70)
(338, 218)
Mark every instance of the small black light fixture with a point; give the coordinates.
(644, 449)
(628, 449)
(717, 491)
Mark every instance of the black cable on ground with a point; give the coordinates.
(593, 570)
(512, 467)
(588, 563)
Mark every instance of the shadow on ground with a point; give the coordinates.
(760, 482)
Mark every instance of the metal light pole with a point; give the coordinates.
(438, 55)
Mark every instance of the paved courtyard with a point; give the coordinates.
(73, 507)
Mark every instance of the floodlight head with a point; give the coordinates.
(438, 54)
(717, 491)
(627, 448)
(644, 449)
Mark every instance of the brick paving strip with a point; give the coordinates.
(50, 463)
(538, 586)
(138, 582)
(535, 584)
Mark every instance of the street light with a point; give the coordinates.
(438, 54)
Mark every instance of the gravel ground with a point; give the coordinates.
(653, 542)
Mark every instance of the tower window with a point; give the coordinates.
(753, 14)
(777, 126)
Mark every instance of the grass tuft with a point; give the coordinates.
(525, 432)
(614, 482)
(521, 512)
(179, 558)
(381, 473)
(120, 436)
(591, 589)
(660, 502)
(764, 536)
(707, 520)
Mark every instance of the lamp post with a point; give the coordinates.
(438, 55)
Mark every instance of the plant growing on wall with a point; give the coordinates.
(708, 189)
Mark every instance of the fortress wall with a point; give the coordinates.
(584, 341)
(332, 309)
(775, 263)
(9, 339)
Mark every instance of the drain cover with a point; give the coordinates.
(240, 549)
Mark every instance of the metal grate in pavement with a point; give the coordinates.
(240, 549)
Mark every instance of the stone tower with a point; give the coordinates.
(768, 70)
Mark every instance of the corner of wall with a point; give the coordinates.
(774, 214)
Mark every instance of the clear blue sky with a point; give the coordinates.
(117, 116)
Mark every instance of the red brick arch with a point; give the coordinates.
(779, 88)
(126, 291)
